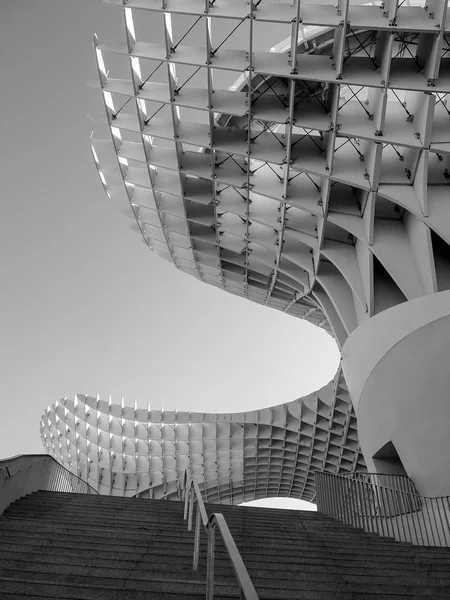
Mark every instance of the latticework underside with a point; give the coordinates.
(238, 457)
(317, 184)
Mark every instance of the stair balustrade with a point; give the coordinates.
(23, 474)
(101, 547)
(191, 495)
(388, 505)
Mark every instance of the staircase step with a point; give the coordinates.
(33, 528)
(61, 545)
(59, 573)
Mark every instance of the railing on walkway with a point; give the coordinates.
(24, 474)
(388, 505)
(192, 494)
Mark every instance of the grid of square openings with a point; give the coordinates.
(268, 173)
(126, 450)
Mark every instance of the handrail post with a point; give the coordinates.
(332, 496)
(186, 503)
(193, 494)
(191, 508)
(210, 562)
(318, 490)
(445, 512)
(198, 523)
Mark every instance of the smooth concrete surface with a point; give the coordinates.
(397, 366)
(21, 461)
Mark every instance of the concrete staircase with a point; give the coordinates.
(60, 545)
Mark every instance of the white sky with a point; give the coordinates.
(85, 307)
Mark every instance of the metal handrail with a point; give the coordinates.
(191, 493)
(24, 474)
(385, 504)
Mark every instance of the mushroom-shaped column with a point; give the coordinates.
(397, 367)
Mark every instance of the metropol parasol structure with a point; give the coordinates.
(318, 184)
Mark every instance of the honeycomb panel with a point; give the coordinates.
(312, 178)
(317, 182)
(125, 450)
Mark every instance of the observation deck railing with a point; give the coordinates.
(388, 505)
(24, 474)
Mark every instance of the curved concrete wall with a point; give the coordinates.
(397, 366)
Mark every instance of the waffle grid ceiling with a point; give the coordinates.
(317, 183)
